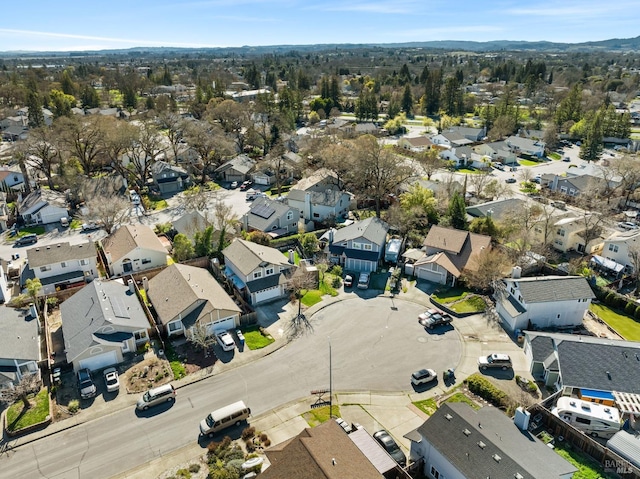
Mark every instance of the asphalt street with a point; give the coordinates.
(375, 345)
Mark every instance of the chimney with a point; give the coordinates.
(145, 283)
(32, 310)
(516, 272)
(132, 286)
(331, 231)
(521, 418)
(291, 257)
(107, 255)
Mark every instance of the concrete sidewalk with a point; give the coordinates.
(391, 411)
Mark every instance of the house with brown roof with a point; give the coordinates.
(131, 249)
(415, 143)
(326, 452)
(445, 254)
(194, 299)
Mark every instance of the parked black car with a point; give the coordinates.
(390, 445)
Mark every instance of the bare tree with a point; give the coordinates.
(430, 161)
(109, 211)
(234, 118)
(299, 283)
(173, 126)
(479, 181)
(29, 384)
(200, 337)
(634, 259)
(194, 199)
(43, 155)
(525, 174)
(489, 266)
(210, 144)
(84, 138)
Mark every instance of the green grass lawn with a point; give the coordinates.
(178, 369)
(429, 406)
(459, 397)
(469, 171)
(312, 297)
(38, 230)
(317, 416)
(624, 325)
(449, 295)
(554, 156)
(473, 304)
(587, 467)
(158, 204)
(524, 162)
(254, 339)
(17, 418)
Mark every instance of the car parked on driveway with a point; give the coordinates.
(423, 376)
(390, 445)
(85, 384)
(627, 225)
(225, 341)
(363, 281)
(510, 180)
(90, 226)
(245, 185)
(111, 379)
(348, 281)
(495, 360)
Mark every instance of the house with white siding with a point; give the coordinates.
(131, 249)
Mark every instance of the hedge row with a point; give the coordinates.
(619, 302)
(482, 387)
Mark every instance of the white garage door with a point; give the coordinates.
(100, 361)
(267, 294)
(433, 276)
(223, 324)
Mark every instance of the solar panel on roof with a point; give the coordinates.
(264, 211)
(118, 307)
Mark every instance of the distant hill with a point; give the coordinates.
(613, 45)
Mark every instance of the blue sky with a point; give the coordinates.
(88, 24)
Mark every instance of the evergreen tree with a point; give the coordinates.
(407, 100)
(35, 115)
(89, 97)
(457, 212)
(592, 146)
(66, 84)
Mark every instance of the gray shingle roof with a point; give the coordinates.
(500, 209)
(542, 289)
(541, 348)
(101, 307)
(188, 285)
(129, 237)
(373, 229)
(456, 430)
(59, 252)
(241, 163)
(261, 223)
(246, 256)
(19, 338)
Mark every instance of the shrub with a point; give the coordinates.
(630, 308)
(610, 299)
(621, 301)
(337, 281)
(337, 270)
(194, 468)
(483, 388)
(637, 313)
(74, 406)
(183, 473)
(263, 437)
(248, 432)
(267, 443)
(250, 446)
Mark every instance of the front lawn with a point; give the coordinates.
(254, 339)
(469, 171)
(312, 297)
(473, 304)
(524, 162)
(554, 156)
(317, 416)
(624, 325)
(178, 369)
(37, 230)
(157, 205)
(429, 406)
(18, 418)
(449, 295)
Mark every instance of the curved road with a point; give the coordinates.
(375, 343)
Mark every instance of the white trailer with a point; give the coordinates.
(591, 418)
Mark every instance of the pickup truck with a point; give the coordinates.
(434, 317)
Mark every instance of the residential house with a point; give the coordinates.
(472, 134)
(575, 185)
(320, 197)
(441, 189)
(569, 235)
(498, 210)
(15, 133)
(359, 247)
(41, 207)
(131, 249)
(458, 442)
(543, 301)
(5, 290)
(621, 247)
(260, 272)
(415, 143)
(498, 151)
(101, 323)
(19, 121)
(450, 139)
(195, 299)
(190, 223)
(62, 265)
(10, 178)
(20, 348)
(236, 169)
(275, 218)
(326, 452)
(588, 367)
(169, 178)
(4, 211)
(446, 253)
(46, 114)
(463, 156)
(531, 134)
(525, 146)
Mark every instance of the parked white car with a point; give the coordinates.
(226, 342)
(363, 281)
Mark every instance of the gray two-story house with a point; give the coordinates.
(260, 272)
(275, 218)
(320, 197)
(360, 246)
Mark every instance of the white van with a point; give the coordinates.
(594, 419)
(222, 418)
(155, 396)
(64, 222)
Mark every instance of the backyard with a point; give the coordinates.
(624, 325)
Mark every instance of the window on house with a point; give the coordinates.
(355, 245)
(367, 247)
(435, 473)
(613, 247)
(316, 215)
(146, 260)
(45, 268)
(84, 262)
(268, 271)
(175, 326)
(561, 232)
(289, 215)
(63, 264)
(257, 274)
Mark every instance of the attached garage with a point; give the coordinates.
(266, 294)
(430, 275)
(223, 324)
(99, 361)
(360, 265)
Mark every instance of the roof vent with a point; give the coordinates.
(609, 375)
(496, 458)
(517, 475)
(481, 444)
(466, 432)
(448, 417)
